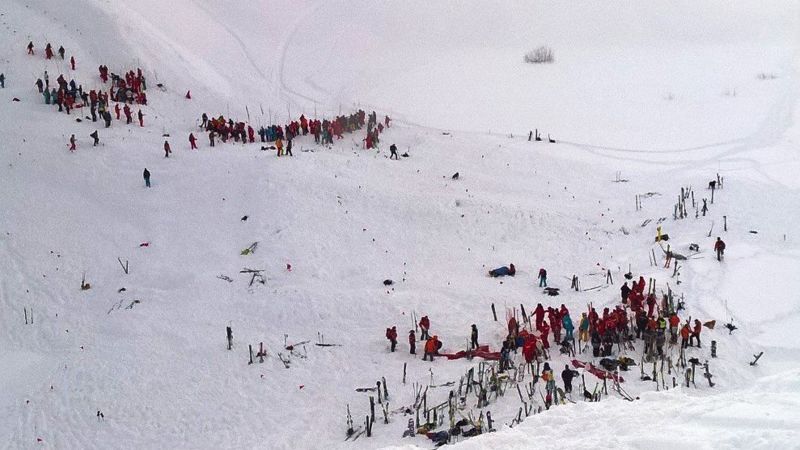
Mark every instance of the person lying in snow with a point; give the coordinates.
(503, 271)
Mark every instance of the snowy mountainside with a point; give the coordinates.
(665, 95)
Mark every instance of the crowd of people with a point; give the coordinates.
(639, 315)
(325, 131)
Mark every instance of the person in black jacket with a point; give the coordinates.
(567, 376)
(474, 337)
(146, 175)
(624, 291)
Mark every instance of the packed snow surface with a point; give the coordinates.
(663, 95)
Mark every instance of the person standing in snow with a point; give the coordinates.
(542, 277)
(279, 146)
(566, 377)
(505, 354)
(550, 382)
(393, 150)
(424, 326)
(391, 334)
(569, 327)
(696, 333)
(719, 247)
(192, 141)
(72, 142)
(412, 342)
(128, 115)
(72, 62)
(167, 149)
(674, 322)
(685, 332)
(625, 291)
(583, 329)
(141, 118)
(430, 348)
(96, 137)
(289, 146)
(30, 48)
(146, 175)
(3, 81)
(474, 337)
(61, 51)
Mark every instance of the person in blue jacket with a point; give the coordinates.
(509, 270)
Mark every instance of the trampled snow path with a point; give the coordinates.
(346, 219)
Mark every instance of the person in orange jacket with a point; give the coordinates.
(279, 146)
(685, 332)
(432, 346)
(674, 323)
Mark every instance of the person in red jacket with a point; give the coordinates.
(48, 51)
(424, 325)
(593, 318)
(696, 333)
(651, 304)
(639, 287)
(412, 342)
(555, 326)
(391, 334)
(167, 150)
(304, 124)
(539, 313)
(128, 115)
(192, 141)
(685, 332)
(117, 110)
(544, 330)
(512, 327)
(719, 247)
(529, 349)
(251, 134)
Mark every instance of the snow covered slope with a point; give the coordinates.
(667, 95)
